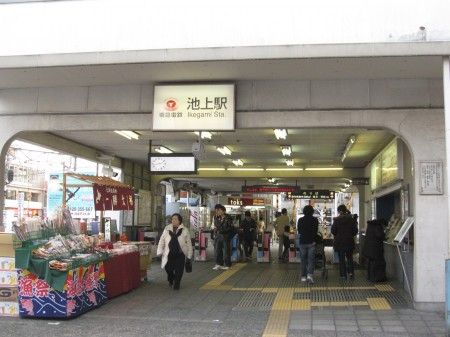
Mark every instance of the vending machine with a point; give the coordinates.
(294, 248)
(263, 253)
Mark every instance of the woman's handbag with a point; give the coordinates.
(188, 265)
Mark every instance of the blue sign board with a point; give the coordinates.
(80, 200)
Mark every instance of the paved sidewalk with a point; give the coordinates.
(248, 300)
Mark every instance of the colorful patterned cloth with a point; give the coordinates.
(85, 289)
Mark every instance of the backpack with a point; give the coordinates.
(174, 245)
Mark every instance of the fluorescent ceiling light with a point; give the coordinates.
(238, 162)
(162, 149)
(204, 134)
(128, 134)
(285, 169)
(324, 169)
(211, 169)
(224, 150)
(280, 133)
(286, 150)
(244, 169)
(290, 162)
(349, 145)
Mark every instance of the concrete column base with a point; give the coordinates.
(430, 306)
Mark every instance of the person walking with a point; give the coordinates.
(248, 230)
(223, 229)
(307, 228)
(373, 250)
(175, 247)
(281, 222)
(286, 244)
(344, 230)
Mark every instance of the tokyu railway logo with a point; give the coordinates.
(171, 104)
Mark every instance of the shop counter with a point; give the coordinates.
(84, 289)
(122, 274)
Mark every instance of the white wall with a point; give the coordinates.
(107, 25)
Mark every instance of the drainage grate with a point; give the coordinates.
(302, 296)
(396, 299)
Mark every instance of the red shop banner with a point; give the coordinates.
(112, 198)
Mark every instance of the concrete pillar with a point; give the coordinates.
(446, 78)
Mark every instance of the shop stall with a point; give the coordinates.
(64, 273)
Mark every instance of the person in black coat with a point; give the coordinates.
(344, 230)
(307, 227)
(373, 251)
(248, 230)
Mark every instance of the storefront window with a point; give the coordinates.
(11, 194)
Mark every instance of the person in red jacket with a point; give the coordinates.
(344, 229)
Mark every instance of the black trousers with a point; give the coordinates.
(175, 269)
(346, 262)
(248, 246)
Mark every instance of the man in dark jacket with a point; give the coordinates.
(223, 230)
(374, 252)
(248, 228)
(344, 230)
(307, 228)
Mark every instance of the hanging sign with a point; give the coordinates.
(311, 194)
(269, 189)
(109, 198)
(246, 202)
(196, 107)
(360, 181)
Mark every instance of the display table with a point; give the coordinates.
(122, 274)
(84, 289)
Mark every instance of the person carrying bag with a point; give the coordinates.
(175, 247)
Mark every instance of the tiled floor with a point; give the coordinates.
(249, 300)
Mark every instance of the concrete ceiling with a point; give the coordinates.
(273, 69)
(255, 147)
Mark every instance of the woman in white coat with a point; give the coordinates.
(175, 247)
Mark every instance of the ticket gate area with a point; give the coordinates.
(263, 243)
(200, 246)
(294, 248)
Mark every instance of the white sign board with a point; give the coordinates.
(173, 164)
(431, 177)
(197, 107)
(20, 205)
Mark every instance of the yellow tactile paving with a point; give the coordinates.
(358, 303)
(384, 287)
(378, 303)
(283, 299)
(301, 305)
(302, 290)
(270, 290)
(223, 277)
(277, 324)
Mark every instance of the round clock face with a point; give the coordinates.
(158, 164)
